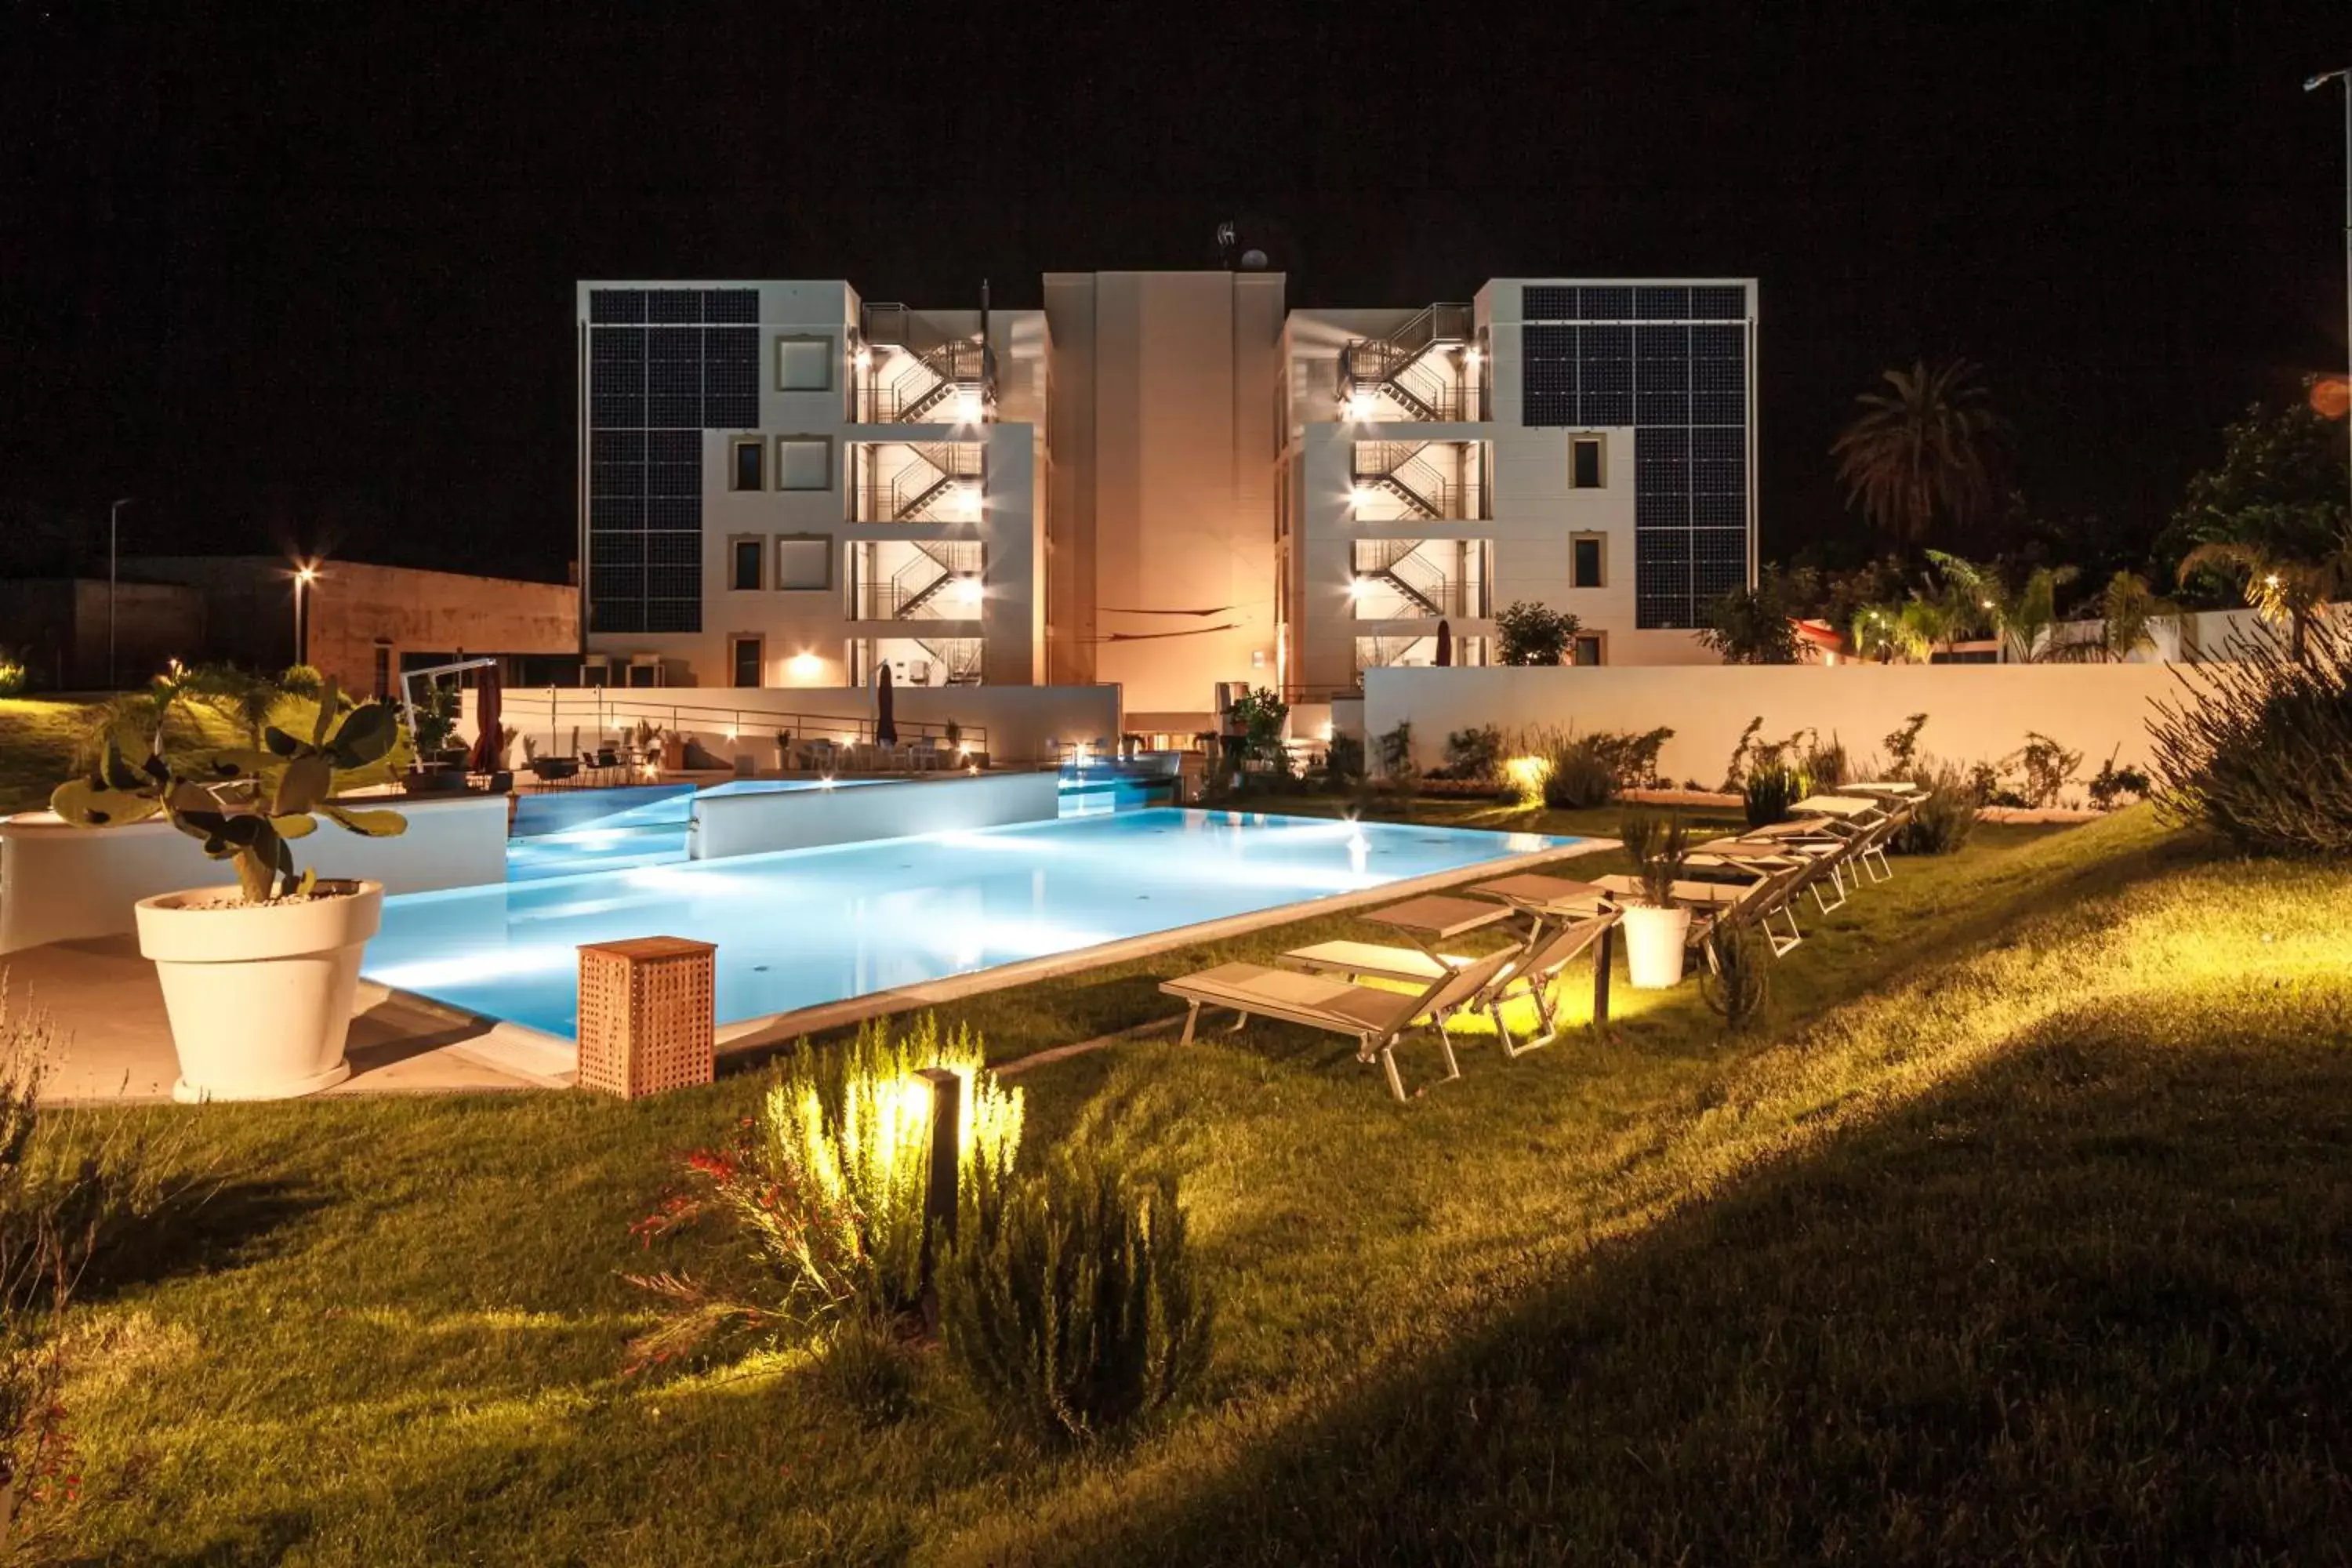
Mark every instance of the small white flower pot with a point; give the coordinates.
(1654, 940)
(260, 997)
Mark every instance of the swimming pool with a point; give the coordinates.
(810, 926)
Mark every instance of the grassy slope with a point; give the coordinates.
(38, 739)
(2014, 1228)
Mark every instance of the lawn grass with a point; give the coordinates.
(2015, 1232)
(38, 738)
(41, 739)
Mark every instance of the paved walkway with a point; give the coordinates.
(118, 1041)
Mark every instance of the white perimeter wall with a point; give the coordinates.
(756, 822)
(1974, 711)
(1020, 720)
(59, 883)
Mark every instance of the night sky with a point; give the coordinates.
(306, 276)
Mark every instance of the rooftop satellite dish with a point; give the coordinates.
(1253, 260)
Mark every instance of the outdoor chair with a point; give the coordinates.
(1540, 960)
(1377, 1019)
(1873, 818)
(1776, 877)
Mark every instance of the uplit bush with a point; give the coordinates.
(12, 674)
(2259, 747)
(1475, 755)
(1943, 818)
(825, 1185)
(1069, 1301)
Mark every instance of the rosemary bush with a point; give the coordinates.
(2259, 747)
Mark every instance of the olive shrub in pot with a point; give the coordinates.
(258, 978)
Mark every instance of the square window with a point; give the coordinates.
(1588, 650)
(748, 660)
(804, 364)
(804, 463)
(745, 474)
(1584, 469)
(1588, 558)
(743, 564)
(803, 562)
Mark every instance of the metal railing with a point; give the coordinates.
(944, 486)
(906, 386)
(589, 718)
(921, 587)
(1408, 471)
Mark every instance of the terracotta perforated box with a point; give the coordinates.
(646, 1015)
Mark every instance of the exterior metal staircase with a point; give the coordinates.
(1403, 368)
(924, 368)
(1396, 562)
(1406, 471)
(950, 468)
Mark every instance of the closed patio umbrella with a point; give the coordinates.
(1444, 644)
(885, 726)
(488, 753)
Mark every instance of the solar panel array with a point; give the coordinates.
(664, 365)
(1671, 361)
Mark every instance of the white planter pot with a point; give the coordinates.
(260, 998)
(1654, 946)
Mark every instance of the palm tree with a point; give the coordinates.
(1910, 631)
(1923, 447)
(2129, 610)
(2282, 585)
(1976, 594)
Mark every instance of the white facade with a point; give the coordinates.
(1443, 463)
(874, 494)
(1160, 480)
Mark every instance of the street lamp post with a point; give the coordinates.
(113, 514)
(304, 577)
(2343, 78)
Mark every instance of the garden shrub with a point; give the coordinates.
(2259, 747)
(826, 1183)
(1398, 768)
(1770, 791)
(1069, 1300)
(2111, 783)
(1828, 766)
(1903, 747)
(1343, 763)
(1945, 815)
(1474, 756)
(1740, 981)
(12, 674)
(1579, 777)
(1632, 760)
(2049, 768)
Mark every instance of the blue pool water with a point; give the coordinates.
(808, 926)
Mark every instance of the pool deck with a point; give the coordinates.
(109, 1007)
(117, 1040)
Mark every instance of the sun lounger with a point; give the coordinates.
(1537, 963)
(1377, 1019)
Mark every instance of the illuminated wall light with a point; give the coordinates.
(1359, 586)
(967, 590)
(968, 407)
(863, 358)
(1360, 496)
(1360, 406)
(805, 666)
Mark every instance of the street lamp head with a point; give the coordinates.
(2315, 84)
(307, 574)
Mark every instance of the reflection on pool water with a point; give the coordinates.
(809, 926)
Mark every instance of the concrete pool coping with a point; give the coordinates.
(542, 1057)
